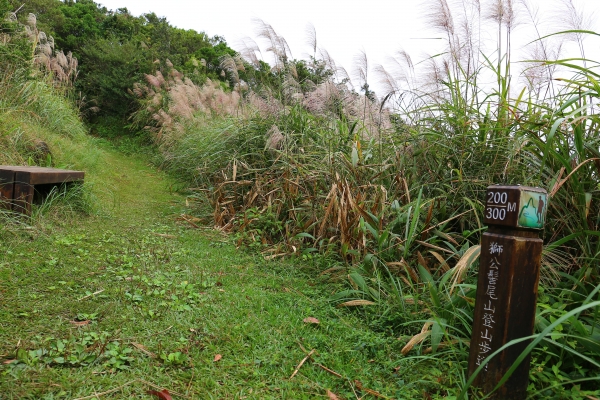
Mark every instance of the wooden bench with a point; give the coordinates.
(21, 186)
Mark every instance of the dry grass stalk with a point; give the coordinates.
(463, 265)
(418, 338)
(355, 303)
(302, 363)
(443, 264)
(441, 346)
(402, 265)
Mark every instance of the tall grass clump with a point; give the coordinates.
(386, 194)
(39, 123)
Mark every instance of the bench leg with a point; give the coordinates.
(7, 183)
(23, 193)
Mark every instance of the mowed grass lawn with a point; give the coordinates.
(132, 298)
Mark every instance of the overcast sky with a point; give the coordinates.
(344, 28)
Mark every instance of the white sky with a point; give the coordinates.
(344, 28)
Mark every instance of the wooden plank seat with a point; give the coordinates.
(21, 186)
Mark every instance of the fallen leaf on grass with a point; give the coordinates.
(332, 395)
(359, 386)
(8, 361)
(190, 220)
(143, 349)
(163, 394)
(354, 303)
(217, 357)
(91, 295)
(274, 256)
(165, 235)
(418, 338)
(81, 323)
(311, 320)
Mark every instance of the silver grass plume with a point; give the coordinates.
(572, 19)
(440, 17)
(361, 68)
(278, 46)
(62, 60)
(401, 67)
(45, 49)
(73, 63)
(291, 87)
(153, 80)
(249, 50)
(293, 71)
(327, 59)
(343, 75)
(274, 140)
(311, 38)
(228, 63)
(541, 52)
(32, 20)
(386, 80)
(503, 13)
(31, 33)
(496, 11)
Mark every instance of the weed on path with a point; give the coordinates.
(132, 298)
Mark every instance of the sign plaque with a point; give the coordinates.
(509, 268)
(515, 206)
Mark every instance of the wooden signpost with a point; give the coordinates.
(509, 271)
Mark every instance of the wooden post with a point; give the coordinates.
(509, 271)
(23, 192)
(7, 183)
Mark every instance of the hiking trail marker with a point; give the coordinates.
(509, 271)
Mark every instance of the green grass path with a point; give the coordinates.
(131, 297)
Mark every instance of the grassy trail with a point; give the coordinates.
(132, 299)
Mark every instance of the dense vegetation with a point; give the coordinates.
(115, 49)
(38, 124)
(383, 195)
